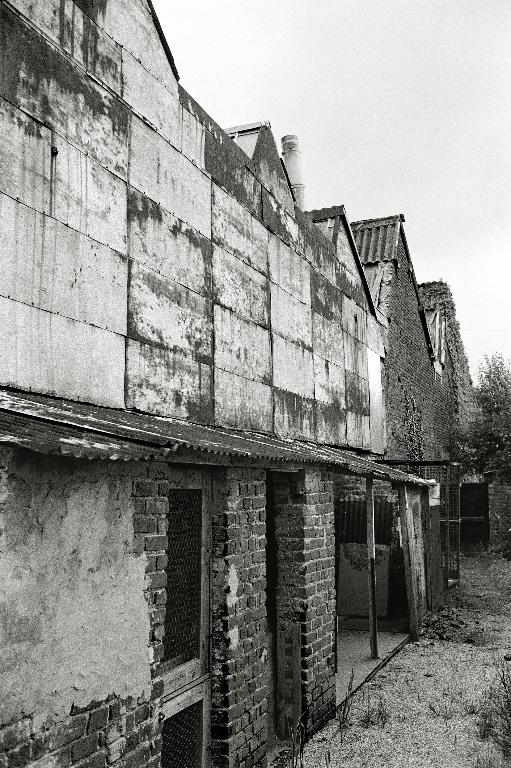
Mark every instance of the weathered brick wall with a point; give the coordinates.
(143, 245)
(419, 404)
(499, 509)
(239, 674)
(304, 527)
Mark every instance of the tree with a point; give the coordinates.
(489, 435)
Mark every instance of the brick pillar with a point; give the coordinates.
(304, 531)
(239, 675)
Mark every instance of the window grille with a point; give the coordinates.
(182, 739)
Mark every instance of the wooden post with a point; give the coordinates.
(407, 528)
(371, 568)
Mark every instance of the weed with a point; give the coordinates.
(344, 709)
(377, 714)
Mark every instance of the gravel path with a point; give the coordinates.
(423, 709)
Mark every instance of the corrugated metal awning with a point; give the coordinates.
(49, 425)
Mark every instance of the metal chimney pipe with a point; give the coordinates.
(292, 158)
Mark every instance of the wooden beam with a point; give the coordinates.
(371, 569)
(405, 515)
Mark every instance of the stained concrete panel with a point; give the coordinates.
(241, 403)
(166, 176)
(280, 222)
(290, 318)
(25, 158)
(168, 383)
(358, 432)
(151, 100)
(89, 198)
(355, 356)
(327, 340)
(240, 287)
(236, 230)
(326, 299)
(293, 416)
(354, 320)
(46, 84)
(289, 270)
(52, 354)
(130, 23)
(162, 312)
(329, 383)
(71, 594)
(376, 405)
(330, 424)
(48, 265)
(72, 30)
(241, 347)
(161, 241)
(292, 367)
(193, 138)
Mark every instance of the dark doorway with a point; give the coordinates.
(475, 523)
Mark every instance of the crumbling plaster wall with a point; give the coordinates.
(419, 404)
(74, 621)
(158, 267)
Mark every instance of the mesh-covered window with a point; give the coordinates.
(182, 739)
(183, 615)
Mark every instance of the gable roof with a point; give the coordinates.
(377, 242)
(337, 213)
(258, 143)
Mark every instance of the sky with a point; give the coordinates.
(401, 106)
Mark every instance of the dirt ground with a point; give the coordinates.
(424, 708)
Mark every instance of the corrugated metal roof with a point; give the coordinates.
(49, 425)
(377, 239)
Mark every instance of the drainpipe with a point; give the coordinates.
(292, 158)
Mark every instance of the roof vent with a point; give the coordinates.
(292, 158)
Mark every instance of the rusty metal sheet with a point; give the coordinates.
(89, 198)
(44, 82)
(241, 347)
(166, 176)
(292, 367)
(327, 340)
(241, 403)
(162, 312)
(167, 383)
(48, 265)
(290, 318)
(289, 270)
(355, 356)
(25, 158)
(293, 416)
(376, 405)
(193, 139)
(159, 240)
(236, 230)
(240, 287)
(151, 100)
(131, 24)
(49, 353)
(69, 28)
(377, 239)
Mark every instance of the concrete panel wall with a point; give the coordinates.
(133, 224)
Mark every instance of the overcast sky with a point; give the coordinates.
(401, 106)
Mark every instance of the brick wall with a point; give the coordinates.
(499, 508)
(419, 403)
(239, 674)
(304, 525)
